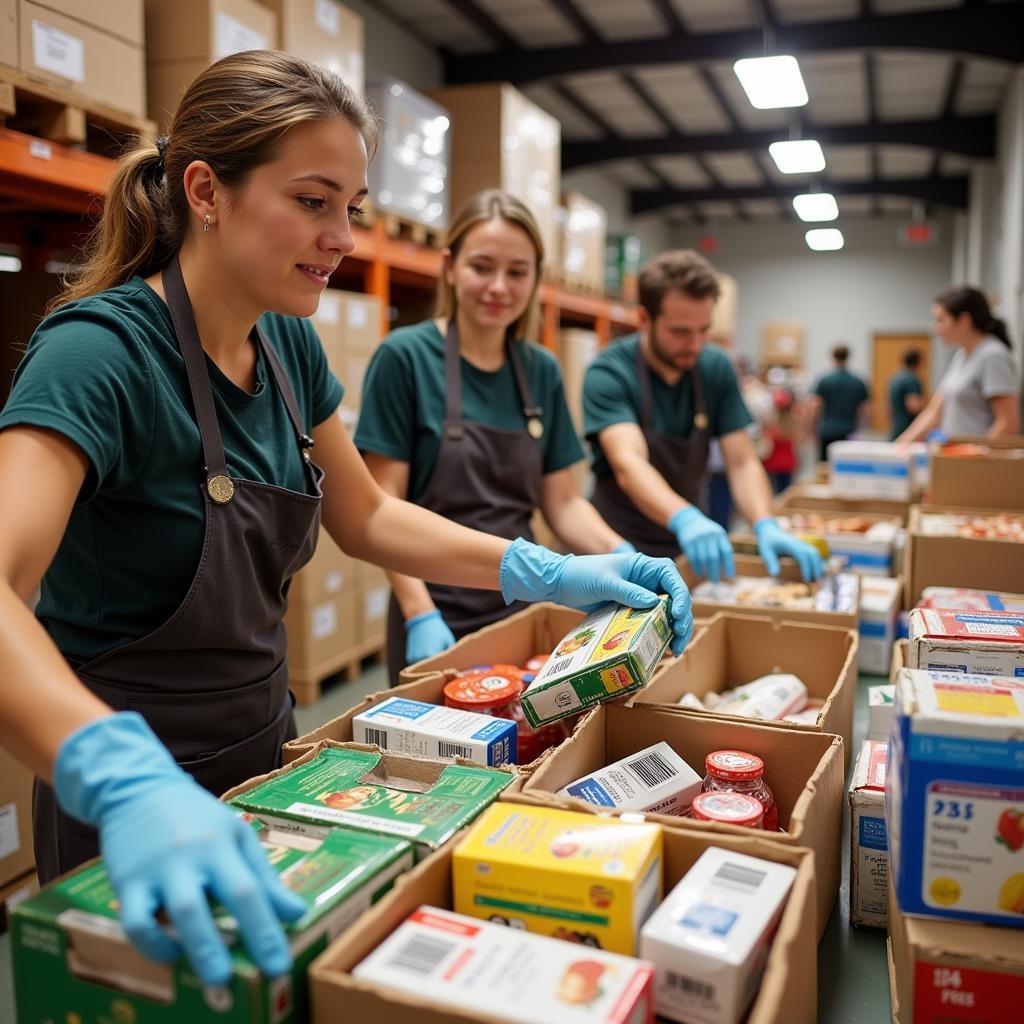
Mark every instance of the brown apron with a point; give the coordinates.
(682, 462)
(212, 680)
(486, 478)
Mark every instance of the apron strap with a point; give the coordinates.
(287, 394)
(531, 413)
(700, 413)
(643, 372)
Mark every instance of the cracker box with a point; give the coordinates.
(507, 975)
(876, 622)
(655, 779)
(611, 653)
(881, 700)
(869, 848)
(955, 797)
(709, 940)
(73, 960)
(987, 643)
(426, 802)
(561, 874)
(871, 469)
(428, 730)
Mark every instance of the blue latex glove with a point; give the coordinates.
(705, 544)
(532, 573)
(169, 844)
(426, 635)
(773, 541)
(625, 548)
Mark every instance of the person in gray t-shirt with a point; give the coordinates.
(979, 393)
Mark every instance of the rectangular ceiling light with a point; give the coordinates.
(801, 157)
(772, 81)
(814, 206)
(824, 239)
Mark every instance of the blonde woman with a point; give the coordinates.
(168, 452)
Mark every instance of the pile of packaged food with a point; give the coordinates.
(835, 592)
(976, 526)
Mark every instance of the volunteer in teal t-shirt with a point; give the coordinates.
(651, 404)
(839, 401)
(462, 415)
(905, 399)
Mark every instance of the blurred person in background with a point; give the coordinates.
(839, 402)
(782, 437)
(906, 399)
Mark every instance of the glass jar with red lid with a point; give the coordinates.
(729, 809)
(735, 771)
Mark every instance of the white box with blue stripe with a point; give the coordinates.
(877, 622)
(871, 469)
(402, 726)
(955, 797)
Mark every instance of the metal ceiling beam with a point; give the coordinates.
(956, 76)
(989, 31)
(485, 21)
(951, 191)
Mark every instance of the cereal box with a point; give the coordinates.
(869, 848)
(987, 643)
(557, 873)
(611, 653)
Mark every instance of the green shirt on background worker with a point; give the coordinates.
(839, 400)
(905, 395)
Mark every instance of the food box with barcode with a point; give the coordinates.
(610, 654)
(458, 961)
(709, 941)
(73, 960)
(988, 643)
(955, 797)
(424, 801)
(869, 848)
(655, 779)
(558, 873)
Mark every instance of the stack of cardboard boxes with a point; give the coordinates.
(17, 875)
(580, 260)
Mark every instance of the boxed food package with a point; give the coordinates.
(880, 599)
(561, 874)
(865, 543)
(324, 32)
(964, 597)
(881, 701)
(871, 469)
(981, 475)
(622, 262)
(653, 780)
(475, 965)
(955, 797)
(14, 892)
(610, 654)
(984, 643)
(869, 847)
(709, 940)
(422, 800)
(70, 950)
(583, 242)
(405, 726)
(803, 769)
(16, 855)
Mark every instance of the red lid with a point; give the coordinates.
(537, 662)
(482, 691)
(728, 808)
(734, 765)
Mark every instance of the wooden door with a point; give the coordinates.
(887, 360)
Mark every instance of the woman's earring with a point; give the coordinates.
(206, 224)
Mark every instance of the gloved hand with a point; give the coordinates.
(532, 573)
(625, 548)
(426, 635)
(705, 544)
(773, 541)
(167, 844)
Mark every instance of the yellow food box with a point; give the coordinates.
(570, 876)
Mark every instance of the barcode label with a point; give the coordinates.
(690, 986)
(736, 876)
(651, 769)
(422, 954)
(378, 736)
(555, 667)
(649, 647)
(447, 749)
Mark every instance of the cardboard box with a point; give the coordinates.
(868, 549)
(942, 972)
(734, 649)
(328, 574)
(583, 241)
(803, 769)
(880, 599)
(8, 40)
(16, 855)
(319, 632)
(958, 561)
(869, 846)
(121, 18)
(900, 656)
(871, 469)
(985, 643)
(723, 318)
(577, 349)
(820, 497)
(375, 600)
(788, 992)
(990, 478)
(955, 797)
(782, 344)
(324, 32)
(88, 62)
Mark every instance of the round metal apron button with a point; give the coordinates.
(220, 489)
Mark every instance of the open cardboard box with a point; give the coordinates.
(788, 992)
(735, 649)
(900, 654)
(819, 497)
(990, 481)
(804, 770)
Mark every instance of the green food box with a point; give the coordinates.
(611, 653)
(420, 799)
(74, 963)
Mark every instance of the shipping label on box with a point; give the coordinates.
(984, 643)
(562, 874)
(869, 847)
(955, 797)
(870, 469)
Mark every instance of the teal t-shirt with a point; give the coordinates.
(107, 373)
(901, 385)
(842, 394)
(403, 404)
(612, 394)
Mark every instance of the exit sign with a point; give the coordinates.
(918, 233)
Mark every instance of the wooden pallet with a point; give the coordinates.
(347, 665)
(401, 227)
(60, 115)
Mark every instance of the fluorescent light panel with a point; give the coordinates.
(804, 156)
(9, 264)
(816, 206)
(771, 82)
(824, 239)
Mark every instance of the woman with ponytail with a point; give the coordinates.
(169, 450)
(980, 392)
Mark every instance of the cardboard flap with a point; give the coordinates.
(406, 775)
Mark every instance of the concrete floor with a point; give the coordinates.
(853, 984)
